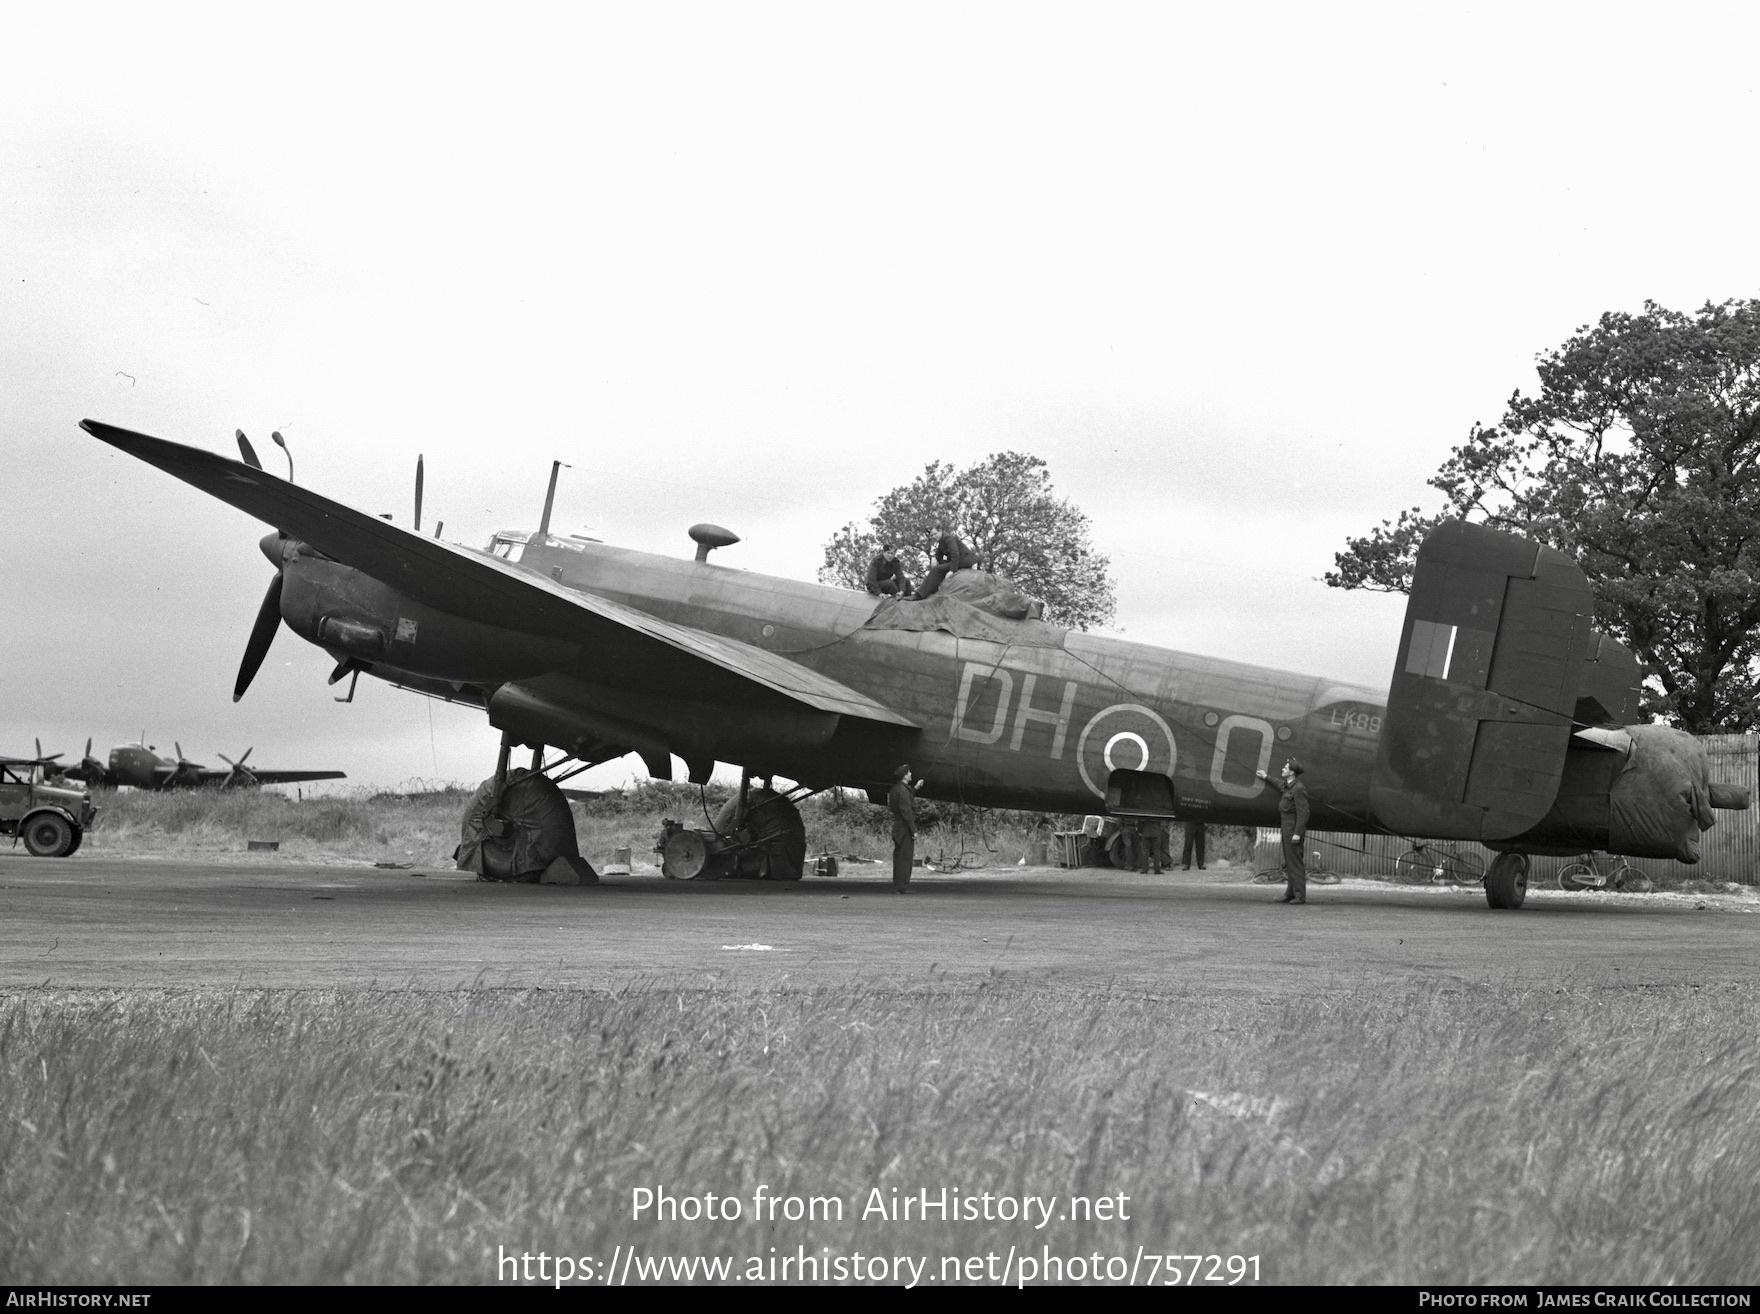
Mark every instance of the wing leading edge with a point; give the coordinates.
(217, 776)
(454, 579)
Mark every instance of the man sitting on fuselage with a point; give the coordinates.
(886, 577)
(950, 555)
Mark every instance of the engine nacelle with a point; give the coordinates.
(353, 615)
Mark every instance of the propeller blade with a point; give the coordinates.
(418, 493)
(239, 774)
(236, 771)
(248, 452)
(262, 635)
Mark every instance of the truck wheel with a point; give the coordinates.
(48, 835)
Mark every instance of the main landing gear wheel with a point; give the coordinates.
(771, 833)
(48, 835)
(1506, 884)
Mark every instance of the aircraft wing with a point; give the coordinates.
(215, 776)
(475, 585)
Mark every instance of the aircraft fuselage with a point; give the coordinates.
(1040, 723)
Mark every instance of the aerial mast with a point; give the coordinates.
(550, 499)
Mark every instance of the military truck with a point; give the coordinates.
(51, 818)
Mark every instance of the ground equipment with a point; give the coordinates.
(51, 819)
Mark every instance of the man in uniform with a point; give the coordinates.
(1155, 851)
(950, 555)
(886, 578)
(903, 806)
(1194, 845)
(1292, 811)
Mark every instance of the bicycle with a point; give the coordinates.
(1439, 862)
(1585, 875)
(1317, 874)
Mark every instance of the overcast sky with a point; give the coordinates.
(1241, 275)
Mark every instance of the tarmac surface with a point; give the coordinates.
(93, 921)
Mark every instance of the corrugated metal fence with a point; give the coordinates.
(1729, 851)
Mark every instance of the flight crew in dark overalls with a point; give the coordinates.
(1194, 845)
(950, 555)
(886, 578)
(903, 806)
(1292, 811)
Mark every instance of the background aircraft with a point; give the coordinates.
(138, 765)
(1508, 720)
(48, 762)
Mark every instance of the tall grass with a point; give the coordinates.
(423, 826)
(1482, 1134)
(212, 823)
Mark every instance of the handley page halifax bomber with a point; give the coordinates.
(1509, 719)
(140, 766)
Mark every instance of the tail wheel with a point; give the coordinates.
(48, 835)
(1506, 884)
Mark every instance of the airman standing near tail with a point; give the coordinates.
(902, 803)
(950, 555)
(1292, 811)
(885, 577)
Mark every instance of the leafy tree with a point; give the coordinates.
(1005, 510)
(1639, 458)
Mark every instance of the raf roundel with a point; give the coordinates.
(1123, 737)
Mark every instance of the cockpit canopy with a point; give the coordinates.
(509, 544)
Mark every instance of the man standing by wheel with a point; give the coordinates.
(1292, 811)
(902, 803)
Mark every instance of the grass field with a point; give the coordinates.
(423, 827)
(1474, 1135)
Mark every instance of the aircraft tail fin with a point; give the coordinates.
(1486, 685)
